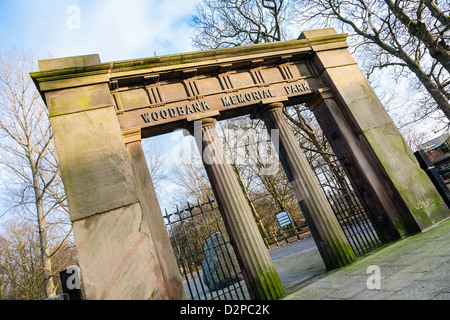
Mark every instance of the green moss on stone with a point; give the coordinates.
(270, 285)
(413, 184)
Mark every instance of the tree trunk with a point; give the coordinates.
(437, 49)
(437, 13)
(50, 288)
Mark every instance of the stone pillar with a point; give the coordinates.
(116, 251)
(257, 267)
(331, 241)
(153, 216)
(410, 189)
(384, 215)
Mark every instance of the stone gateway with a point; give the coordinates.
(99, 112)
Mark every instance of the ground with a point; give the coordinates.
(415, 268)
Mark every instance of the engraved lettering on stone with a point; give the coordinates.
(146, 117)
(178, 111)
(247, 97)
(297, 88)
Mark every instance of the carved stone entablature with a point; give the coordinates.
(189, 73)
(257, 63)
(286, 73)
(223, 68)
(285, 59)
(151, 79)
(113, 85)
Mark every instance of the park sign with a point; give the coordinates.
(283, 219)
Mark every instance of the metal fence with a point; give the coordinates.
(287, 236)
(205, 256)
(348, 205)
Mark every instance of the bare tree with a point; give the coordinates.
(32, 176)
(191, 178)
(21, 271)
(230, 23)
(410, 36)
(154, 155)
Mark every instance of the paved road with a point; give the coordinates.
(291, 248)
(415, 268)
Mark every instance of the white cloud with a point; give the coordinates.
(115, 29)
(119, 30)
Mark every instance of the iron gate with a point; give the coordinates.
(348, 205)
(204, 254)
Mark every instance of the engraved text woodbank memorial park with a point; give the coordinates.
(99, 113)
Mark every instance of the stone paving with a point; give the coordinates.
(415, 268)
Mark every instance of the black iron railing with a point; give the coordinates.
(348, 205)
(205, 256)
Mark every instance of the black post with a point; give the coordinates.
(434, 175)
(70, 282)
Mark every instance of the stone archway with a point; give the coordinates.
(99, 113)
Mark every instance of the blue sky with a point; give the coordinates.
(117, 30)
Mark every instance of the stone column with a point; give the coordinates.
(331, 241)
(257, 267)
(414, 196)
(153, 216)
(116, 251)
(339, 134)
